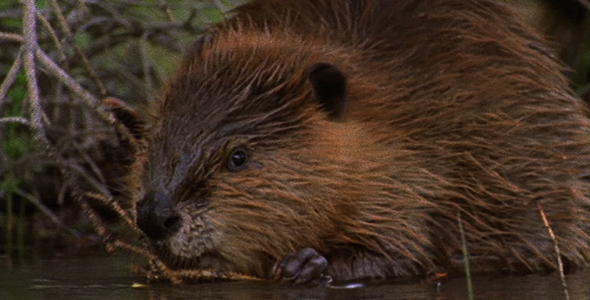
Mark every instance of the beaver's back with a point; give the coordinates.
(475, 92)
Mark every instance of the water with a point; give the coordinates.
(109, 277)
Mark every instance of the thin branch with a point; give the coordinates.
(47, 212)
(68, 32)
(470, 294)
(65, 78)
(94, 183)
(11, 37)
(30, 35)
(91, 71)
(86, 96)
(75, 87)
(146, 62)
(91, 163)
(128, 219)
(19, 120)
(53, 35)
(10, 78)
(60, 17)
(83, 6)
(31, 48)
(167, 11)
(557, 251)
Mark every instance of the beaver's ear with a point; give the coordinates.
(127, 116)
(329, 87)
(119, 152)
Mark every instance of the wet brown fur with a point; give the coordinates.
(454, 107)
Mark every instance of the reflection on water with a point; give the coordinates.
(108, 277)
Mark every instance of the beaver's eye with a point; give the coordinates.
(238, 160)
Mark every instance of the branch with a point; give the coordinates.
(71, 83)
(11, 37)
(19, 120)
(46, 211)
(10, 78)
(30, 35)
(557, 251)
(32, 48)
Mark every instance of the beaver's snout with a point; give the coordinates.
(156, 216)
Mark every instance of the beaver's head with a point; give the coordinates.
(241, 157)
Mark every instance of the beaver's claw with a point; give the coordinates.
(304, 266)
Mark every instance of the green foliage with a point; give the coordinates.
(18, 141)
(83, 40)
(16, 144)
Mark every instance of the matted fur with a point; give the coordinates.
(454, 107)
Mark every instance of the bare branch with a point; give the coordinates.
(556, 247)
(60, 17)
(53, 35)
(146, 62)
(47, 212)
(30, 35)
(19, 120)
(71, 83)
(10, 78)
(11, 37)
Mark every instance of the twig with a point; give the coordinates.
(128, 219)
(94, 219)
(68, 32)
(60, 17)
(75, 87)
(94, 183)
(146, 62)
(47, 212)
(167, 10)
(10, 78)
(83, 6)
(19, 120)
(157, 269)
(557, 251)
(470, 294)
(54, 37)
(90, 162)
(30, 35)
(71, 83)
(11, 37)
(31, 48)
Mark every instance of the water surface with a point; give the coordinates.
(109, 277)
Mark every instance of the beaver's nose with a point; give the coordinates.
(156, 216)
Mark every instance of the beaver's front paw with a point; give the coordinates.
(301, 267)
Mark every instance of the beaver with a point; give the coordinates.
(305, 139)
